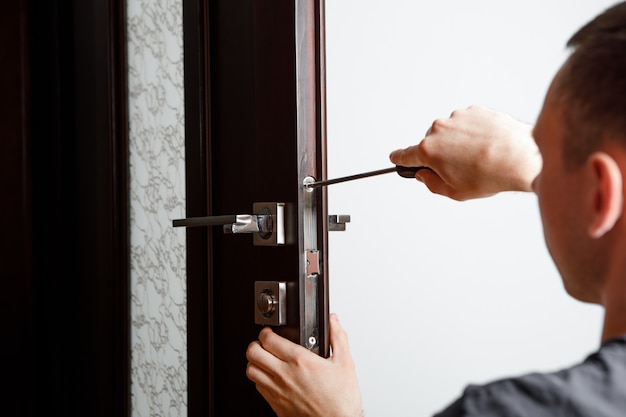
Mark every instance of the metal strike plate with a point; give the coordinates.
(337, 222)
(312, 262)
(270, 303)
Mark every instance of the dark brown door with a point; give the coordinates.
(64, 266)
(254, 85)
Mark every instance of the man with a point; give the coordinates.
(578, 170)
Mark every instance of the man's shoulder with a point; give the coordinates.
(596, 387)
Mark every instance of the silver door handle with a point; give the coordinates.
(268, 224)
(251, 223)
(238, 223)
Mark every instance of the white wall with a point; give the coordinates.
(436, 294)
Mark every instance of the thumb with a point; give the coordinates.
(338, 339)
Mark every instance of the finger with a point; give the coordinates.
(278, 346)
(263, 359)
(265, 384)
(338, 339)
(434, 182)
(258, 375)
(409, 157)
(269, 394)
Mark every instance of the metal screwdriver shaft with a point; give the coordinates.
(406, 172)
(318, 184)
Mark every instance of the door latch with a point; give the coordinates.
(267, 224)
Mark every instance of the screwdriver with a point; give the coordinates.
(405, 172)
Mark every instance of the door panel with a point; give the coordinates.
(65, 265)
(257, 124)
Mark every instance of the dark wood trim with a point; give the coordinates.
(198, 202)
(119, 216)
(16, 189)
(68, 264)
(322, 162)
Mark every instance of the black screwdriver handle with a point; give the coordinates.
(408, 172)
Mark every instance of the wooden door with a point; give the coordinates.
(65, 240)
(255, 128)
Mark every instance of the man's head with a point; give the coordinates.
(591, 86)
(581, 134)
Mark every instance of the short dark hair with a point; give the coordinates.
(591, 86)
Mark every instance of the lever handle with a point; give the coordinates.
(205, 221)
(240, 223)
(268, 225)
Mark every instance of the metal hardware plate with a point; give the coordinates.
(337, 222)
(275, 213)
(270, 301)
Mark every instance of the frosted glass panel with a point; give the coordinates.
(157, 177)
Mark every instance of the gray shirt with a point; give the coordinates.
(594, 388)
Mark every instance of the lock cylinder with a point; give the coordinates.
(266, 303)
(271, 303)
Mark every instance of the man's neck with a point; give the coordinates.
(615, 300)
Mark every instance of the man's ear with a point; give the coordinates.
(607, 195)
